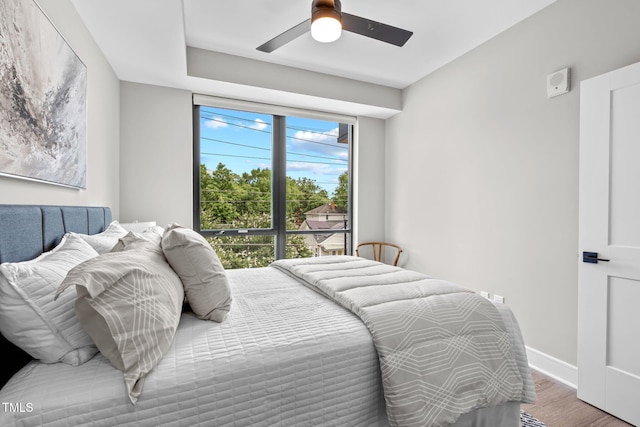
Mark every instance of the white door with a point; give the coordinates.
(609, 291)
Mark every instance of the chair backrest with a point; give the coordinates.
(377, 250)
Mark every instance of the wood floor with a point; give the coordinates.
(558, 406)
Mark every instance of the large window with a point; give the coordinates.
(269, 186)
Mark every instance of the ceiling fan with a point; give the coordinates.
(326, 22)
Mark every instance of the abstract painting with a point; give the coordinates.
(43, 111)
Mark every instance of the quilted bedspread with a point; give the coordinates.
(285, 356)
(443, 350)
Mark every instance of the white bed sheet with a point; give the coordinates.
(284, 356)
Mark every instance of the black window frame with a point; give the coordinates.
(278, 196)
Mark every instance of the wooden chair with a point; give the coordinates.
(377, 250)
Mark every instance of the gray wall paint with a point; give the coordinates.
(369, 180)
(283, 81)
(156, 154)
(482, 167)
(102, 125)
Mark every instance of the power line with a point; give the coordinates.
(253, 201)
(319, 131)
(328, 144)
(266, 158)
(236, 117)
(242, 126)
(234, 156)
(313, 130)
(268, 149)
(236, 144)
(259, 193)
(335, 145)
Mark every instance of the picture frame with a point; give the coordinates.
(43, 91)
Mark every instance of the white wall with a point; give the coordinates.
(157, 150)
(262, 81)
(156, 154)
(369, 180)
(103, 123)
(482, 167)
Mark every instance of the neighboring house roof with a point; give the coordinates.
(320, 225)
(323, 225)
(333, 242)
(329, 208)
(309, 224)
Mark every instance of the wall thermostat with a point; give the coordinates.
(558, 83)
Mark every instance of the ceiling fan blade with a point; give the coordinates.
(375, 30)
(284, 38)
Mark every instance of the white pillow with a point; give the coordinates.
(48, 330)
(105, 241)
(138, 227)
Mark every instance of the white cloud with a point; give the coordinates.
(324, 143)
(315, 168)
(260, 165)
(325, 137)
(215, 123)
(343, 154)
(260, 124)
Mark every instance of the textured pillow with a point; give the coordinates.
(130, 303)
(48, 330)
(203, 277)
(149, 240)
(103, 242)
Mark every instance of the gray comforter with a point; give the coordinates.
(443, 350)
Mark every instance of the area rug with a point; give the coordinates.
(528, 420)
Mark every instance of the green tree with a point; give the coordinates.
(341, 193)
(255, 188)
(231, 201)
(303, 194)
(217, 196)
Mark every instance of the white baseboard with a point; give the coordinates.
(552, 367)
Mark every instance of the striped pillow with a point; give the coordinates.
(130, 303)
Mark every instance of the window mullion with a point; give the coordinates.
(279, 183)
(196, 167)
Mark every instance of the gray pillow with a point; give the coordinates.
(130, 303)
(205, 281)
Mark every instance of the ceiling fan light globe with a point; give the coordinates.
(326, 29)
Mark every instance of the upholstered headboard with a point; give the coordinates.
(26, 231)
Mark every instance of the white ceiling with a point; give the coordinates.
(145, 40)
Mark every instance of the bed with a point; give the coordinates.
(284, 353)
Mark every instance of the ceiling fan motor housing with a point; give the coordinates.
(326, 9)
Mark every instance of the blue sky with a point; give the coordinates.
(242, 141)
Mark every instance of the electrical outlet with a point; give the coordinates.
(484, 294)
(498, 298)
